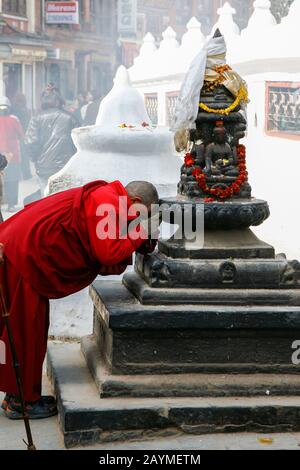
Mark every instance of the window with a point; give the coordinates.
(12, 74)
(151, 102)
(283, 109)
(171, 102)
(14, 7)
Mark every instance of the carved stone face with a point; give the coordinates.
(228, 273)
(220, 135)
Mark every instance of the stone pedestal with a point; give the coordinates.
(198, 339)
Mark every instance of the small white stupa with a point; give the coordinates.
(226, 23)
(123, 145)
(261, 20)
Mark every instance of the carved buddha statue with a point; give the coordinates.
(220, 158)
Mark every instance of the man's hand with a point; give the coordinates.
(1, 253)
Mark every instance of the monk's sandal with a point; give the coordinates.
(44, 408)
(5, 401)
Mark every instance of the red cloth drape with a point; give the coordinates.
(51, 250)
(29, 317)
(11, 132)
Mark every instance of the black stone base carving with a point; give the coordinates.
(225, 215)
(181, 385)
(160, 271)
(193, 338)
(209, 296)
(218, 244)
(213, 319)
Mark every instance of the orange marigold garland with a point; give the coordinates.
(219, 193)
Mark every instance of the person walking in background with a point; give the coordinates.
(19, 109)
(78, 103)
(11, 134)
(92, 109)
(48, 138)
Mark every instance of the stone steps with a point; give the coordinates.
(86, 418)
(185, 385)
(136, 339)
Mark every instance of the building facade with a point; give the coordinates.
(156, 15)
(22, 50)
(76, 57)
(82, 57)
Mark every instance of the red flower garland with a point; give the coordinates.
(219, 193)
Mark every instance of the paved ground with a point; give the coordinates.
(25, 188)
(47, 436)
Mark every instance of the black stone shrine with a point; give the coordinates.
(199, 338)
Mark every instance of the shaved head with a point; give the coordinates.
(147, 192)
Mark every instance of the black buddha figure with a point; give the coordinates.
(220, 158)
(213, 145)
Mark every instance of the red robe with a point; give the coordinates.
(11, 132)
(51, 250)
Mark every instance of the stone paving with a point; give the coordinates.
(47, 436)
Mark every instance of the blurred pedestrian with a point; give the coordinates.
(48, 137)
(11, 134)
(75, 111)
(19, 109)
(92, 109)
(78, 104)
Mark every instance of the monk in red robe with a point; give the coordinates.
(53, 248)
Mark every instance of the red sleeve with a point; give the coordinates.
(112, 250)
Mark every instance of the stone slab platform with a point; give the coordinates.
(85, 418)
(173, 339)
(218, 244)
(121, 310)
(184, 385)
(204, 296)
(161, 271)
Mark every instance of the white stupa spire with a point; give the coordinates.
(122, 78)
(194, 37)
(192, 41)
(169, 41)
(226, 23)
(123, 104)
(261, 20)
(148, 48)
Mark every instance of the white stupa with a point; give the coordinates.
(226, 23)
(122, 145)
(261, 21)
(192, 41)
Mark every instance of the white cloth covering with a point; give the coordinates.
(203, 67)
(188, 101)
